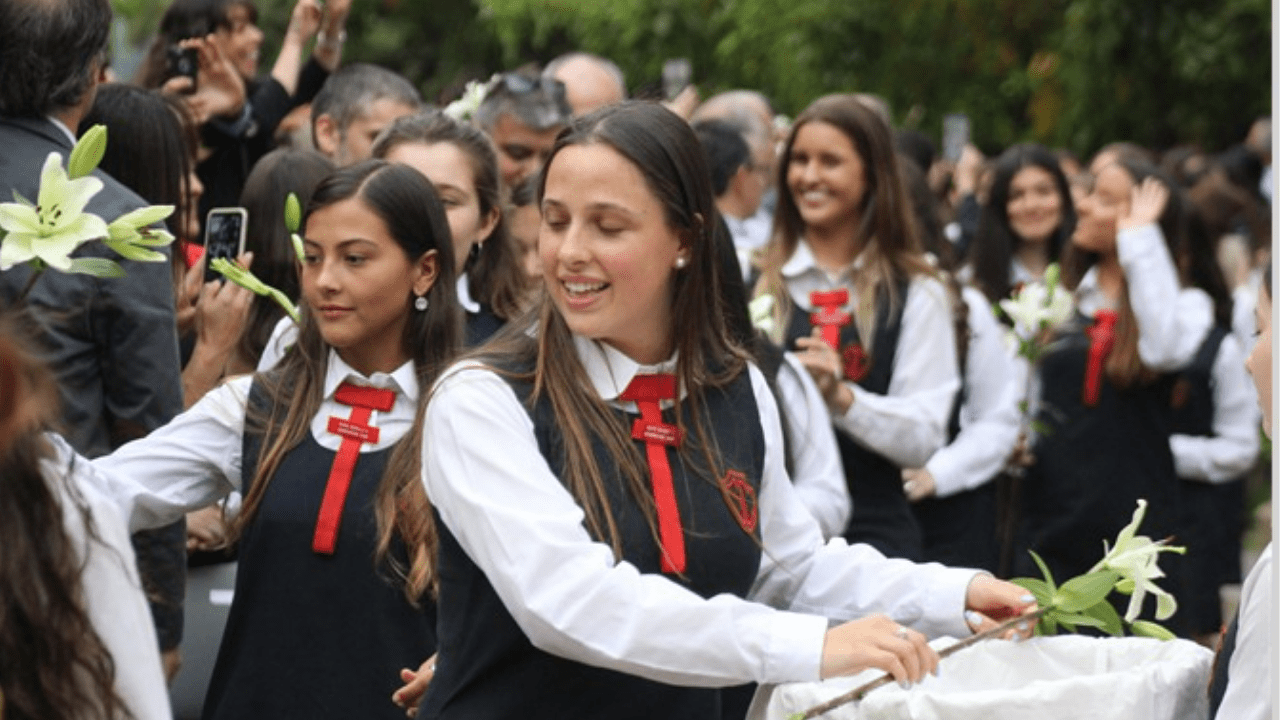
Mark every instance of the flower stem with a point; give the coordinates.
(857, 693)
(36, 271)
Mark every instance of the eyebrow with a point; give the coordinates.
(597, 206)
(343, 243)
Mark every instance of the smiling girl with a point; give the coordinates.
(1106, 380)
(335, 533)
(863, 309)
(618, 536)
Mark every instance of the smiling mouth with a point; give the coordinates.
(577, 289)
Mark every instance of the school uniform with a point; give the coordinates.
(1215, 442)
(959, 520)
(480, 322)
(539, 619)
(1101, 448)
(904, 383)
(315, 630)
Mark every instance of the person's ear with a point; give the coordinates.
(490, 224)
(428, 267)
(326, 135)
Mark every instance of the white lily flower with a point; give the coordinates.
(761, 311)
(131, 235)
(57, 225)
(1135, 558)
(466, 106)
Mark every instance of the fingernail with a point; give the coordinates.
(973, 617)
(1023, 627)
(905, 684)
(1028, 598)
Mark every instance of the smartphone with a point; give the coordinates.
(955, 136)
(224, 233)
(183, 62)
(677, 73)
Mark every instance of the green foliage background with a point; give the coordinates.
(1070, 73)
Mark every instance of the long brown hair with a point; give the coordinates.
(1124, 365)
(494, 276)
(886, 230)
(53, 664)
(666, 152)
(411, 210)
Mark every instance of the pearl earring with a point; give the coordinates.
(680, 263)
(421, 303)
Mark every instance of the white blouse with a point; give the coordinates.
(908, 424)
(113, 595)
(196, 460)
(494, 490)
(989, 416)
(1233, 447)
(816, 469)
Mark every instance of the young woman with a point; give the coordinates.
(1244, 673)
(864, 310)
(583, 572)
(1025, 224)
(335, 534)
(76, 639)
(1214, 443)
(460, 162)
(1105, 382)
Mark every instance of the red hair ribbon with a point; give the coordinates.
(1102, 337)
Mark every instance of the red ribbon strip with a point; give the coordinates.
(646, 391)
(1102, 337)
(355, 431)
(830, 317)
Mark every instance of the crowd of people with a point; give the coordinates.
(595, 406)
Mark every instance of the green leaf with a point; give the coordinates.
(1048, 576)
(1085, 591)
(1037, 587)
(1106, 613)
(88, 152)
(17, 197)
(1073, 619)
(1049, 624)
(292, 213)
(101, 267)
(1146, 628)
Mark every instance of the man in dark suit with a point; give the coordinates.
(111, 342)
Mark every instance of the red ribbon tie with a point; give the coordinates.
(830, 317)
(646, 391)
(1102, 337)
(355, 431)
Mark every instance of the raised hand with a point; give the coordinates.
(1146, 202)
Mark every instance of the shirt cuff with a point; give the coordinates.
(796, 642)
(945, 601)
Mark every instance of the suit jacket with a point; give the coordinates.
(111, 342)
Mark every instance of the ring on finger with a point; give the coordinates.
(902, 632)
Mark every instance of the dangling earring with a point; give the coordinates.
(420, 304)
(680, 263)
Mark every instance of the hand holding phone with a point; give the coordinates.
(955, 136)
(224, 235)
(677, 73)
(183, 62)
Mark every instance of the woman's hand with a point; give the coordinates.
(1145, 204)
(222, 311)
(415, 686)
(220, 90)
(304, 22)
(918, 484)
(877, 642)
(989, 602)
(827, 370)
(206, 529)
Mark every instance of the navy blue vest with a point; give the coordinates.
(1093, 463)
(481, 325)
(308, 635)
(487, 666)
(881, 516)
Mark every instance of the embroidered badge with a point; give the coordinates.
(741, 498)
(856, 363)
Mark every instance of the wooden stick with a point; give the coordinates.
(857, 693)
